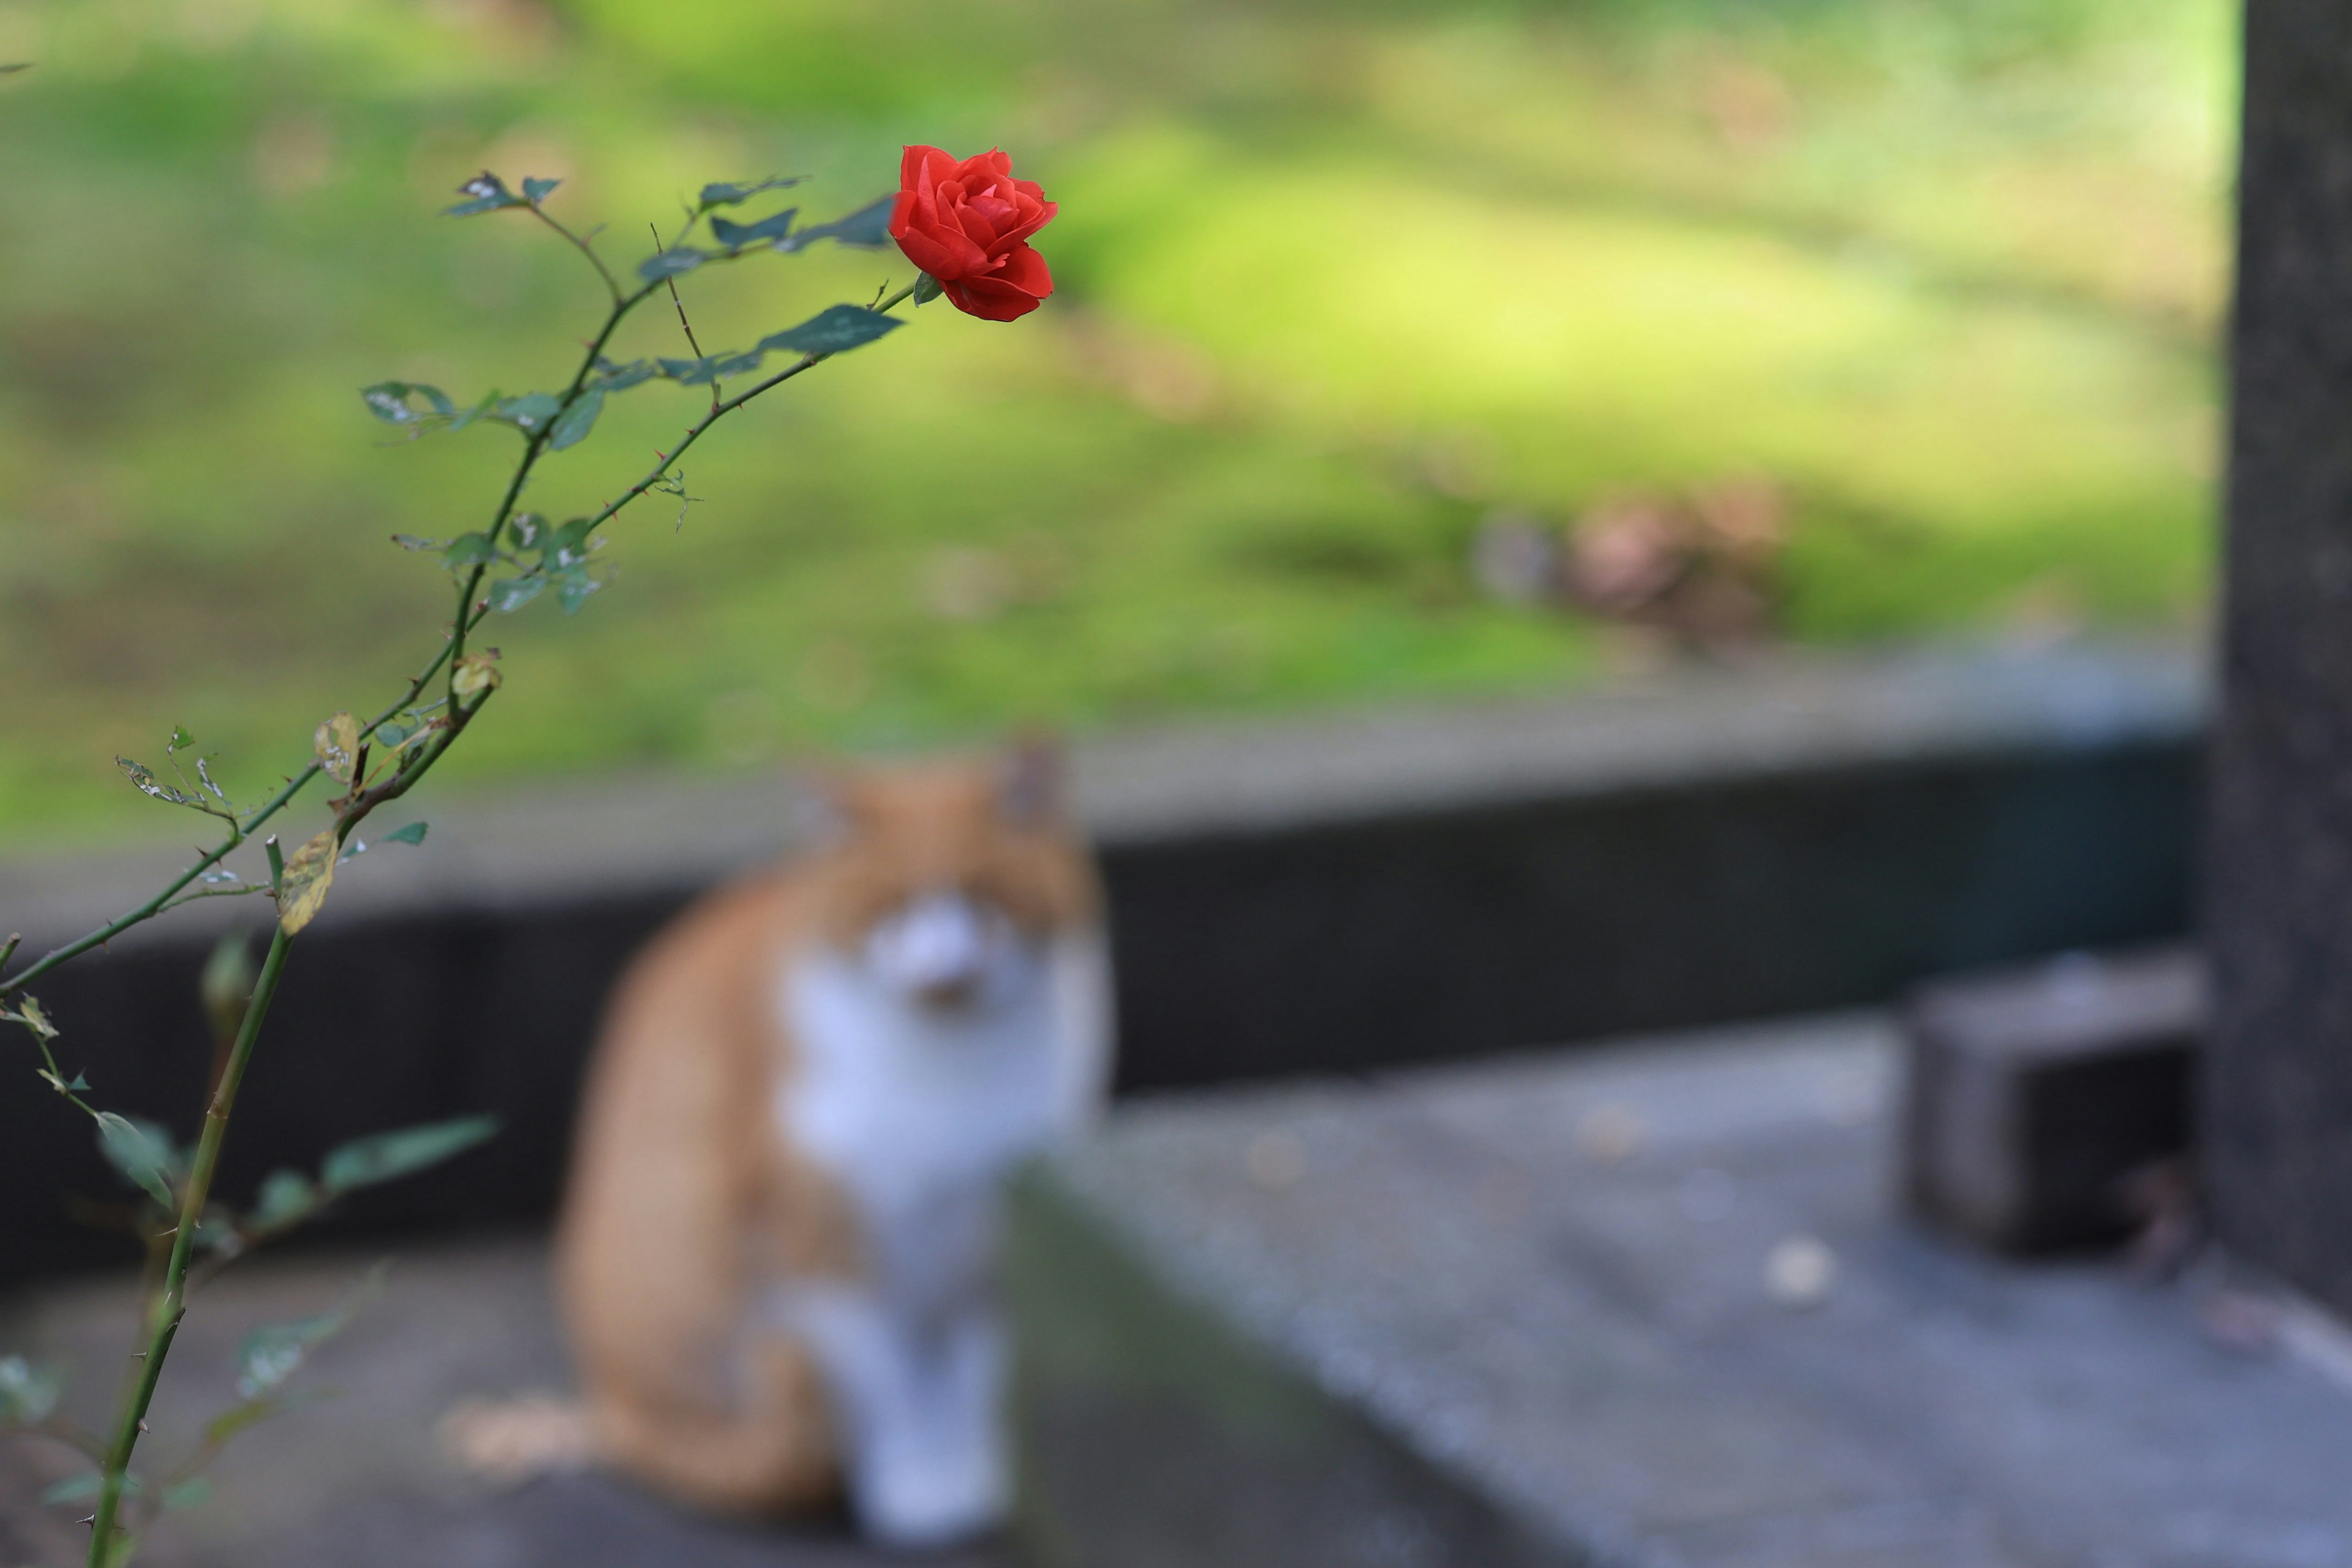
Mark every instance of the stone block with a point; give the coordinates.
(2045, 1104)
(1654, 1307)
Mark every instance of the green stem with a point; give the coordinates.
(721, 410)
(462, 623)
(172, 1302)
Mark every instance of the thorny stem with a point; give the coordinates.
(694, 433)
(171, 1304)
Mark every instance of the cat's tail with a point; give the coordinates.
(510, 1442)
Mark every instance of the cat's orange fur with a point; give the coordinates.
(685, 1198)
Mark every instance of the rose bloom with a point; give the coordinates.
(968, 224)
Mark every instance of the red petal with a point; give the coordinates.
(1025, 270)
(988, 299)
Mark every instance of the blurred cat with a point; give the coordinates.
(776, 1252)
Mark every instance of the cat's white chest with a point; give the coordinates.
(918, 1109)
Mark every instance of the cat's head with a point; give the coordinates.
(935, 876)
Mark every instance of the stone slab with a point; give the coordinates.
(356, 1480)
(1651, 1305)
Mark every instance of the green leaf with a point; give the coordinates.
(270, 1355)
(510, 594)
(869, 228)
(690, 372)
(927, 288)
(142, 1152)
(190, 1493)
(669, 263)
(418, 542)
(621, 377)
(237, 1417)
(469, 549)
(721, 194)
(83, 1488)
(484, 193)
(30, 1013)
(567, 546)
(735, 235)
(411, 834)
(573, 588)
(284, 1197)
(535, 191)
(481, 410)
(386, 1156)
(833, 329)
(528, 526)
(13, 67)
(28, 1391)
(389, 401)
(528, 413)
(573, 426)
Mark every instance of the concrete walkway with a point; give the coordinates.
(356, 1480)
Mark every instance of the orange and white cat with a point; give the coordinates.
(776, 1251)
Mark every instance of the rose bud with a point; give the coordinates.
(968, 224)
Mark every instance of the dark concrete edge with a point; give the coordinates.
(1159, 1342)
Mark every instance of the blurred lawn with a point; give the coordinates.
(1336, 281)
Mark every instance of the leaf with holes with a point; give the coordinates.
(302, 888)
(477, 672)
(390, 402)
(484, 193)
(510, 594)
(336, 742)
(143, 779)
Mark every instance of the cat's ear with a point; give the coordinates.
(821, 806)
(1031, 787)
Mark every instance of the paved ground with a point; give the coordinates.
(356, 1480)
(1655, 1307)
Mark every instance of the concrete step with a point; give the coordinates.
(1652, 1306)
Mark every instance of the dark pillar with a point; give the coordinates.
(2278, 1095)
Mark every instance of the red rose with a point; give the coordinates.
(968, 224)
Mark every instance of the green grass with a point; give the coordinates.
(1336, 281)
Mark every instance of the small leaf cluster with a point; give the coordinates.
(835, 329)
(144, 1154)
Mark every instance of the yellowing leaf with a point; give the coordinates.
(338, 744)
(303, 888)
(477, 672)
